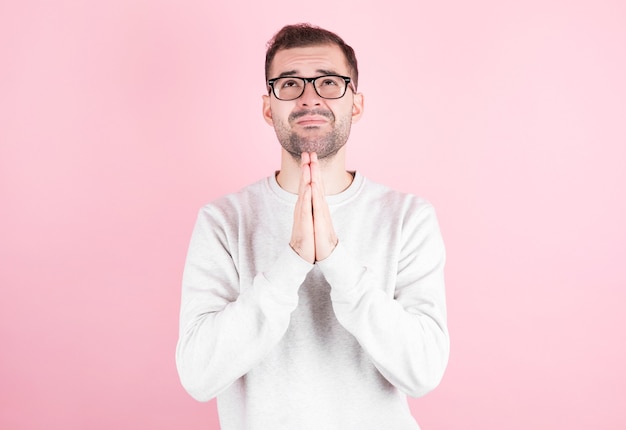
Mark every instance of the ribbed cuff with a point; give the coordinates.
(341, 271)
(287, 274)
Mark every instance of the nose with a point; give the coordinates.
(309, 97)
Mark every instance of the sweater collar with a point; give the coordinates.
(334, 200)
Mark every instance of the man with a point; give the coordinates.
(314, 298)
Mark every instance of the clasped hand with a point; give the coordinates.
(312, 236)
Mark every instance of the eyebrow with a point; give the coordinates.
(294, 73)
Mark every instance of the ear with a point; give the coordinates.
(267, 110)
(357, 107)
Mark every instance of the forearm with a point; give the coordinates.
(406, 337)
(409, 349)
(219, 343)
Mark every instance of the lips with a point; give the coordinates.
(311, 117)
(311, 121)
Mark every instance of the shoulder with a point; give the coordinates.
(392, 200)
(234, 200)
(230, 205)
(414, 217)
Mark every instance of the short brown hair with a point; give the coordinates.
(300, 35)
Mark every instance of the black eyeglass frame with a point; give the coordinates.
(347, 80)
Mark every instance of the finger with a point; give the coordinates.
(302, 235)
(320, 207)
(303, 210)
(305, 176)
(305, 164)
(305, 158)
(307, 205)
(321, 212)
(325, 237)
(316, 174)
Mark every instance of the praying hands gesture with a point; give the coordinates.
(312, 236)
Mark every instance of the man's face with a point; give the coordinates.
(311, 123)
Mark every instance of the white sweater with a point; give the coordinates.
(285, 344)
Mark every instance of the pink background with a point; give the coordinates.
(119, 119)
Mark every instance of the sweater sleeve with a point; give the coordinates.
(225, 327)
(405, 335)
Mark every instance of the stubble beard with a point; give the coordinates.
(325, 145)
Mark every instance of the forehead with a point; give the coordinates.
(308, 61)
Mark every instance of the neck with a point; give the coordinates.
(336, 178)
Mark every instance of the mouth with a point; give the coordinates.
(311, 122)
(311, 118)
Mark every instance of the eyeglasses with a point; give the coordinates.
(326, 86)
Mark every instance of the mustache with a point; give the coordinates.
(319, 112)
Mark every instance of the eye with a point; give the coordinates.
(329, 82)
(290, 83)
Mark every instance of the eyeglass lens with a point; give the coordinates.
(328, 87)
